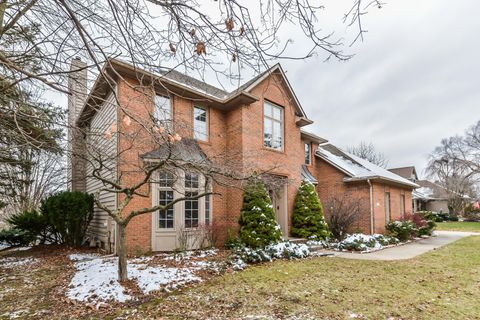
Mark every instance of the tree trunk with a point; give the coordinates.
(122, 253)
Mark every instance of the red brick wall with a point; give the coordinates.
(331, 183)
(133, 142)
(235, 140)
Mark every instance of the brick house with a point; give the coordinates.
(256, 127)
(382, 195)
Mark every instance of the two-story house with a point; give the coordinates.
(257, 127)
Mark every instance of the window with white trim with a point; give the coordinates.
(273, 126)
(402, 205)
(387, 207)
(308, 153)
(192, 210)
(163, 111)
(165, 196)
(200, 123)
(208, 209)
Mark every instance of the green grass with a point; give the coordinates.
(459, 226)
(443, 284)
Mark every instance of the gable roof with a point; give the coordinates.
(405, 172)
(276, 69)
(187, 86)
(358, 169)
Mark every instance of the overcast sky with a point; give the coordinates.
(414, 80)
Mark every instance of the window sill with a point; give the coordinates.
(274, 150)
(208, 143)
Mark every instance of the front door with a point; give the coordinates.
(279, 203)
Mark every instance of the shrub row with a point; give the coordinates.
(438, 216)
(63, 218)
(411, 226)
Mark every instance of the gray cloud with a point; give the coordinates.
(413, 81)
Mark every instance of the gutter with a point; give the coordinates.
(372, 217)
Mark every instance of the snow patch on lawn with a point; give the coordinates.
(96, 277)
(187, 255)
(13, 262)
(3, 245)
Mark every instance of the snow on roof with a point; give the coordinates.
(423, 193)
(358, 168)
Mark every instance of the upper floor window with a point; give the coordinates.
(200, 123)
(273, 126)
(163, 111)
(308, 153)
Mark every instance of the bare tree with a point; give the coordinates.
(368, 152)
(455, 164)
(39, 37)
(343, 213)
(221, 38)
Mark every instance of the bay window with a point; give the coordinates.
(188, 214)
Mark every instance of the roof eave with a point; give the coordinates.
(302, 121)
(380, 178)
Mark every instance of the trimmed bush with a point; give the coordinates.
(69, 213)
(402, 230)
(438, 216)
(307, 218)
(471, 213)
(258, 227)
(15, 237)
(33, 224)
(363, 242)
(281, 250)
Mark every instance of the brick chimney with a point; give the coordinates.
(77, 86)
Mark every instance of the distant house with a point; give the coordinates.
(428, 196)
(406, 172)
(383, 195)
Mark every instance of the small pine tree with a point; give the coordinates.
(307, 218)
(258, 227)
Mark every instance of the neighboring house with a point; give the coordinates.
(406, 172)
(256, 127)
(382, 195)
(430, 197)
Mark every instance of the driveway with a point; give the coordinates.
(409, 250)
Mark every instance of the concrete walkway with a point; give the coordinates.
(410, 250)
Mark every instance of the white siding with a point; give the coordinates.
(101, 228)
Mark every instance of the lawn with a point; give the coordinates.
(444, 284)
(459, 226)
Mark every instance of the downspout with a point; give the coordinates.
(372, 217)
